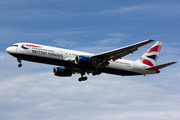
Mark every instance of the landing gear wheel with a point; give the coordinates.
(85, 78)
(82, 79)
(96, 72)
(19, 61)
(20, 65)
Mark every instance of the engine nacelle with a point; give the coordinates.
(82, 60)
(58, 71)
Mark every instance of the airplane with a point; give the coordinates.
(70, 62)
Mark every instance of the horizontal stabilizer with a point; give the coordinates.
(160, 66)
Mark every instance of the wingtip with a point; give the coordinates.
(151, 40)
(173, 62)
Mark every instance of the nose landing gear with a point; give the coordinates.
(19, 61)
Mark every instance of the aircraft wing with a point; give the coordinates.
(103, 58)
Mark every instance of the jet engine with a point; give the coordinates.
(82, 60)
(58, 71)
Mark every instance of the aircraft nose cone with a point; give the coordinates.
(8, 50)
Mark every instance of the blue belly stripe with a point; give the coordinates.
(58, 62)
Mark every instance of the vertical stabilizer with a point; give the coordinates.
(150, 57)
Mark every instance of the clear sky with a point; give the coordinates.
(34, 93)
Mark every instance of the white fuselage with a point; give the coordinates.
(65, 57)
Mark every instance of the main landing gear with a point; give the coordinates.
(96, 72)
(82, 78)
(19, 61)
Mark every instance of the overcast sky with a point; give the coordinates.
(34, 93)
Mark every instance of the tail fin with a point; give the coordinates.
(150, 57)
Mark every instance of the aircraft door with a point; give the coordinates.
(61, 52)
(134, 65)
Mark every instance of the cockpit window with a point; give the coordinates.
(14, 45)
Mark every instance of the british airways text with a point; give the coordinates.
(47, 53)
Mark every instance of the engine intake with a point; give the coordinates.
(82, 60)
(58, 71)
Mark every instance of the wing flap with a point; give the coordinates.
(118, 56)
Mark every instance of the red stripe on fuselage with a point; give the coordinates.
(155, 49)
(28, 45)
(147, 62)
